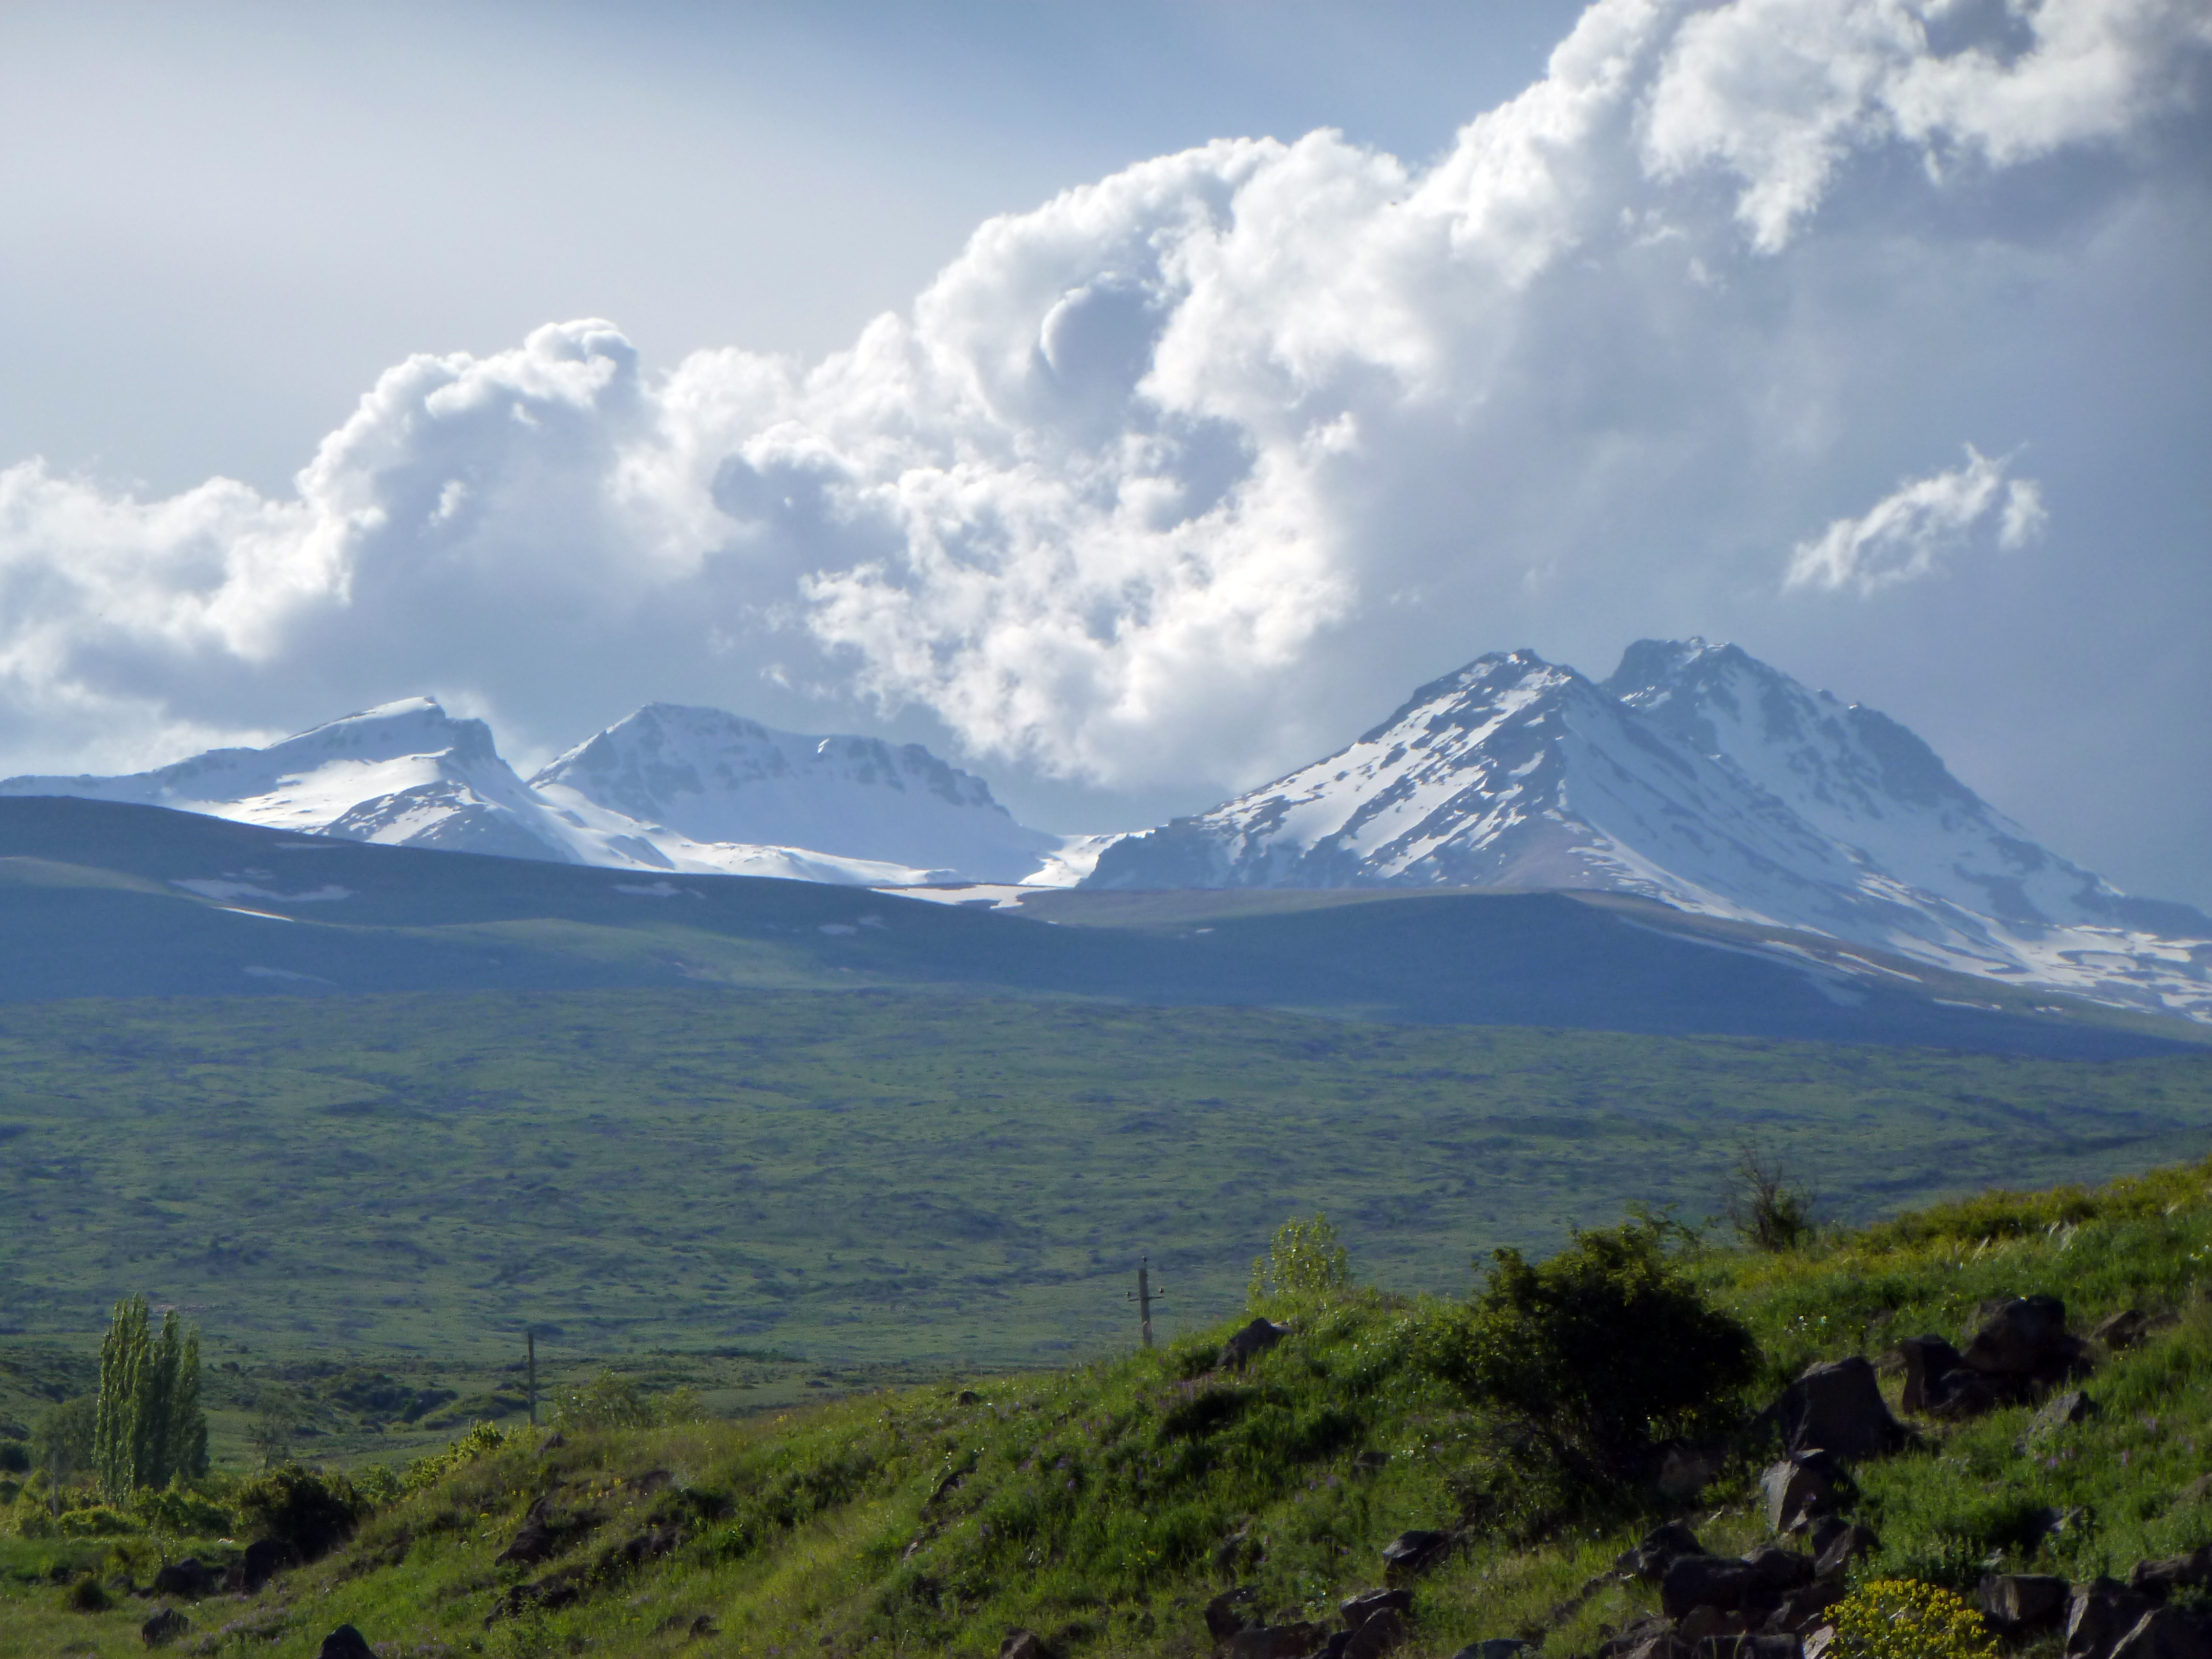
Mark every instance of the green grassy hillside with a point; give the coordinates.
(869, 1176)
(1103, 1505)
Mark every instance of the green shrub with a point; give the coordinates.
(1306, 1264)
(311, 1509)
(93, 1521)
(483, 1438)
(612, 1401)
(1601, 1353)
(15, 1457)
(88, 1595)
(1904, 1619)
(176, 1508)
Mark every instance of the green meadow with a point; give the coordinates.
(871, 1177)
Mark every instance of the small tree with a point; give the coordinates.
(147, 1425)
(1601, 1352)
(61, 1443)
(1768, 1210)
(1304, 1263)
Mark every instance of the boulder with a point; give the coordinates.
(2164, 1634)
(1838, 1408)
(1357, 1610)
(2062, 1411)
(1797, 1491)
(2015, 1335)
(1806, 1608)
(2025, 1339)
(264, 1559)
(1702, 1581)
(189, 1578)
(1773, 1568)
(1376, 1635)
(1660, 1550)
(1497, 1647)
(1651, 1639)
(2121, 1330)
(2020, 1602)
(1930, 1366)
(1254, 1339)
(346, 1643)
(1415, 1551)
(163, 1628)
(1703, 1625)
(2099, 1614)
(537, 1539)
(1231, 1611)
(1022, 1645)
(1757, 1645)
(1275, 1642)
(2161, 1578)
(1835, 1545)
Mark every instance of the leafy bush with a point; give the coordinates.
(1904, 1619)
(93, 1521)
(311, 1509)
(612, 1401)
(1601, 1353)
(478, 1441)
(88, 1595)
(176, 1508)
(1305, 1263)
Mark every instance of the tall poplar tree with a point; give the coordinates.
(147, 1426)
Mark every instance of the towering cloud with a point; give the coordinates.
(1154, 482)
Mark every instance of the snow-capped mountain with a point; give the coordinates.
(685, 790)
(1701, 777)
(711, 778)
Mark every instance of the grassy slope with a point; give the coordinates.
(1094, 1503)
(896, 1177)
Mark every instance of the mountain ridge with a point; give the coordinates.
(1694, 775)
(1701, 777)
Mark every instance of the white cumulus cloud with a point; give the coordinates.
(1154, 480)
(1913, 530)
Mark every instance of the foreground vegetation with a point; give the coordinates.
(875, 1177)
(1102, 1506)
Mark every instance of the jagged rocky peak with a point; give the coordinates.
(1723, 702)
(715, 778)
(668, 756)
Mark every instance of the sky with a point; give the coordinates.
(1132, 402)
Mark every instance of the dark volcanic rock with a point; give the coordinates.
(2017, 1602)
(1659, 1550)
(1416, 1551)
(1357, 1610)
(1838, 1408)
(188, 1578)
(1231, 1611)
(2099, 1614)
(163, 1628)
(264, 1559)
(346, 1643)
(1255, 1338)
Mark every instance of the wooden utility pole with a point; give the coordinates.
(531, 1338)
(1144, 1295)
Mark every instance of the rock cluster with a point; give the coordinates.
(1372, 1623)
(2021, 1349)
